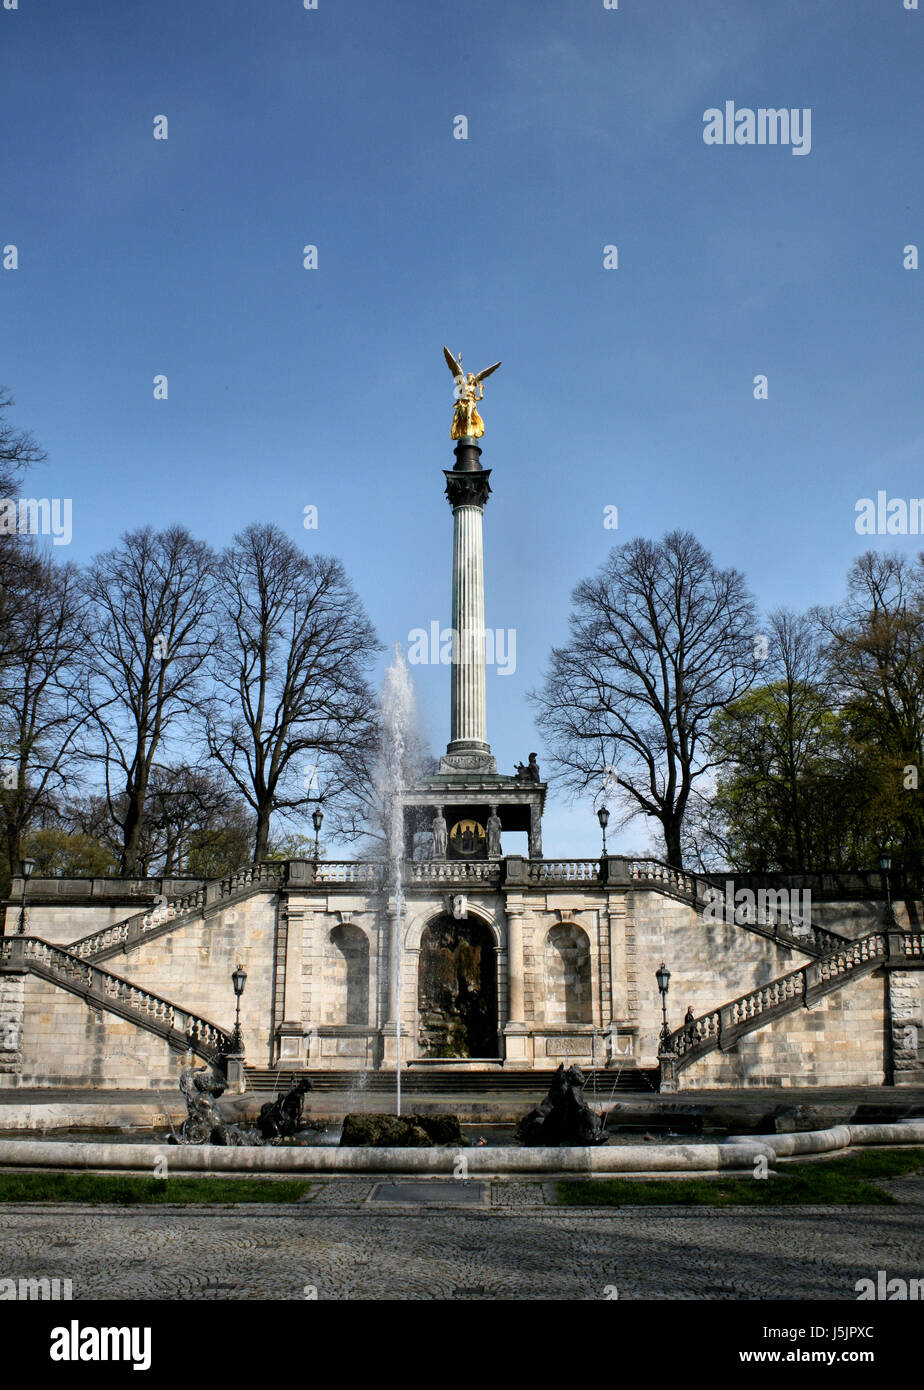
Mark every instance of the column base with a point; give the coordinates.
(668, 1080)
(234, 1071)
(517, 1043)
(290, 1038)
(390, 1046)
(466, 755)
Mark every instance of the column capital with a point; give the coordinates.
(467, 489)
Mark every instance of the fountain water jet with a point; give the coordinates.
(399, 766)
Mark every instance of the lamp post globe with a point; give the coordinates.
(885, 865)
(663, 977)
(27, 867)
(603, 816)
(238, 981)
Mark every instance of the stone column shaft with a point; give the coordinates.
(467, 490)
(515, 993)
(468, 724)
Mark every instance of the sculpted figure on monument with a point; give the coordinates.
(466, 422)
(493, 831)
(564, 1117)
(281, 1118)
(439, 834)
(204, 1123)
(530, 771)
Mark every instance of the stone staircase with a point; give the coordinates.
(722, 1027)
(100, 989)
(436, 1083)
(700, 892)
(696, 889)
(178, 911)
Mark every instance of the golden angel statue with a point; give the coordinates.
(466, 422)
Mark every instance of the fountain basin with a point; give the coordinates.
(629, 1158)
(735, 1153)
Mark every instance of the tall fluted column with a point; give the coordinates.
(468, 727)
(516, 1040)
(467, 489)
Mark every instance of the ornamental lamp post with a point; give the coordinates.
(603, 816)
(27, 866)
(317, 820)
(663, 977)
(238, 980)
(885, 864)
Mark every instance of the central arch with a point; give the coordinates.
(457, 989)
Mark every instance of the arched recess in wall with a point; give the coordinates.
(568, 997)
(346, 976)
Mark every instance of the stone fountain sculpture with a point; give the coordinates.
(564, 1118)
(204, 1123)
(279, 1118)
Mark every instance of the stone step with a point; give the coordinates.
(432, 1082)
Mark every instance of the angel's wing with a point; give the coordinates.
(480, 376)
(452, 364)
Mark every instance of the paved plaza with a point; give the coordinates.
(352, 1240)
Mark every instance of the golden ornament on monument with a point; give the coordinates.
(466, 422)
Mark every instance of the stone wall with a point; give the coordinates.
(61, 924)
(841, 1041)
(12, 1007)
(906, 1011)
(589, 956)
(711, 963)
(65, 1043)
(192, 966)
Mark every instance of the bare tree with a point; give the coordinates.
(775, 741)
(150, 633)
(191, 812)
(40, 712)
(659, 640)
(294, 718)
(18, 561)
(875, 650)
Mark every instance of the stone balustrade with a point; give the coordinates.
(793, 990)
(101, 988)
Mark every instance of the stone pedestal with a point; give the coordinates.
(517, 1044)
(390, 1046)
(668, 1080)
(234, 1071)
(906, 1015)
(12, 1006)
(291, 1042)
(621, 1043)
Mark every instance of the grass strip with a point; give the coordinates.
(847, 1181)
(92, 1189)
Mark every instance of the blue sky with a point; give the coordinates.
(631, 388)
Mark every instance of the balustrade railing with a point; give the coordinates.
(347, 871)
(563, 870)
(112, 991)
(654, 871)
(182, 905)
(799, 986)
(453, 871)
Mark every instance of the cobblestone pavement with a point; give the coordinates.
(337, 1245)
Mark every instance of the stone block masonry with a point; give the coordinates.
(574, 950)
